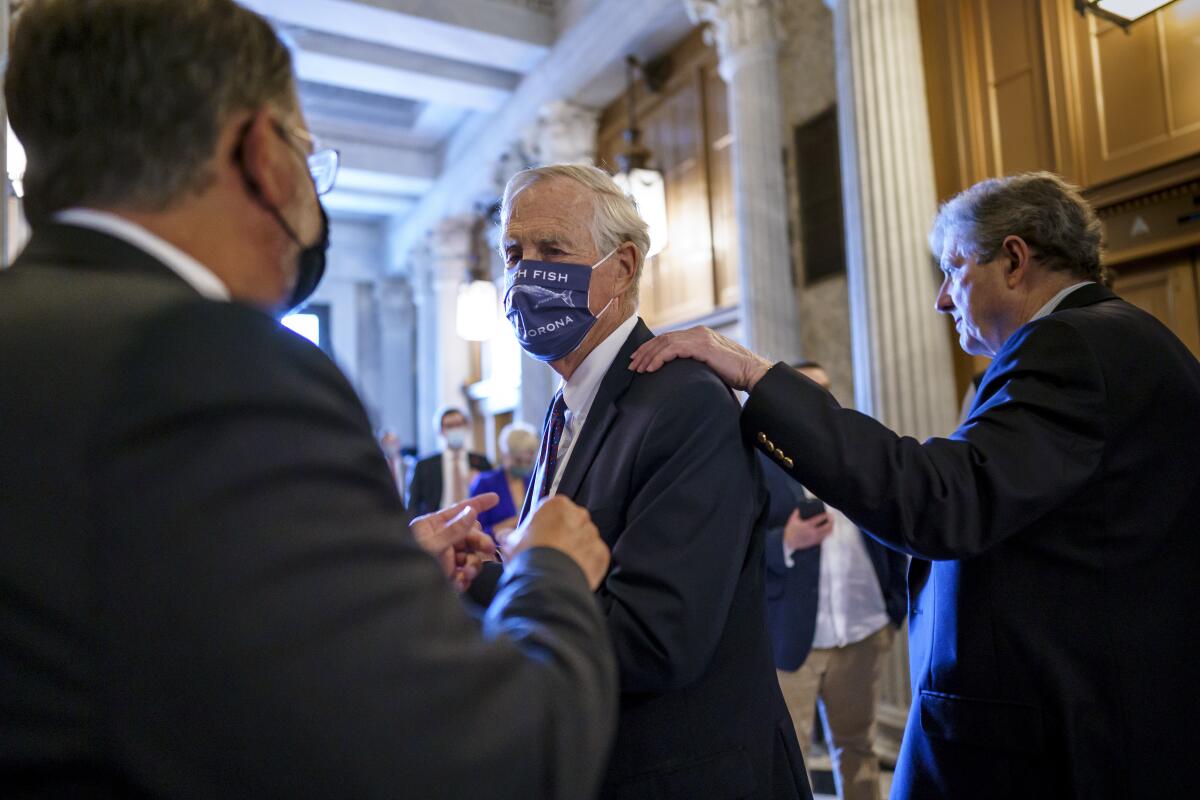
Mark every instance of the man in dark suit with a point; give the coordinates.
(210, 588)
(835, 598)
(1049, 636)
(661, 465)
(442, 479)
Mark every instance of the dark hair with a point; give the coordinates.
(119, 103)
(1040, 207)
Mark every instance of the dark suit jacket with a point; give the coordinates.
(675, 492)
(208, 588)
(425, 488)
(793, 592)
(1051, 644)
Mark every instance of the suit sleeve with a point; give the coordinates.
(276, 631)
(679, 557)
(1032, 442)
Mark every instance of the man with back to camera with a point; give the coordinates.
(442, 479)
(659, 462)
(835, 598)
(209, 585)
(1048, 639)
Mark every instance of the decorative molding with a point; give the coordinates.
(565, 133)
(741, 29)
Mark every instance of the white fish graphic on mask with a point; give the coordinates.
(541, 295)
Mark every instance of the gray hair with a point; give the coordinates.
(1047, 212)
(615, 218)
(119, 103)
(518, 436)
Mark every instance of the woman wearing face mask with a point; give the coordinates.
(518, 450)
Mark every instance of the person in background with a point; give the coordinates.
(442, 479)
(518, 450)
(835, 598)
(389, 443)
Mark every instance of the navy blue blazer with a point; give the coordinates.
(1050, 639)
(792, 592)
(676, 492)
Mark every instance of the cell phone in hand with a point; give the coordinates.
(810, 508)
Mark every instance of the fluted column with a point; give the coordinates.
(396, 390)
(903, 375)
(747, 34)
(444, 358)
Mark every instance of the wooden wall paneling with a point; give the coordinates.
(941, 95)
(684, 278)
(1013, 74)
(1060, 59)
(718, 144)
(1167, 288)
(1140, 104)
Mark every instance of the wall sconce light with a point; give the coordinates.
(1121, 12)
(475, 319)
(636, 178)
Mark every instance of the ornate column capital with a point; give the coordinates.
(452, 248)
(565, 133)
(740, 28)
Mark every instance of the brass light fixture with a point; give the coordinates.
(1121, 12)
(636, 178)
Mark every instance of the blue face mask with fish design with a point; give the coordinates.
(547, 304)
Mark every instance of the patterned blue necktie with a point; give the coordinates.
(548, 460)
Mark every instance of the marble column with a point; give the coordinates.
(903, 374)
(443, 357)
(747, 34)
(396, 391)
(565, 133)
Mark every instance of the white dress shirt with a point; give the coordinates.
(198, 276)
(850, 603)
(1052, 304)
(580, 391)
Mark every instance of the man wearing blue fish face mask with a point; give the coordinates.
(659, 462)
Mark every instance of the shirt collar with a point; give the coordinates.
(580, 390)
(1047, 309)
(198, 276)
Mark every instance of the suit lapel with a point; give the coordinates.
(603, 413)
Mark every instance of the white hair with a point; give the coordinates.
(518, 436)
(615, 218)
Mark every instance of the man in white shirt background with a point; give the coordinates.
(835, 600)
(445, 477)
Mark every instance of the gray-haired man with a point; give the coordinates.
(1049, 645)
(660, 463)
(209, 584)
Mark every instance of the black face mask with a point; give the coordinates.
(310, 263)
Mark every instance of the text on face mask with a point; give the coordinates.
(542, 275)
(549, 327)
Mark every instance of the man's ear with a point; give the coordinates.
(626, 273)
(1017, 257)
(262, 156)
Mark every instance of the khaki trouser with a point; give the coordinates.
(847, 681)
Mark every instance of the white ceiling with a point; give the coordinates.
(388, 81)
(392, 83)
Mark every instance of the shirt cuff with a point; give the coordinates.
(787, 554)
